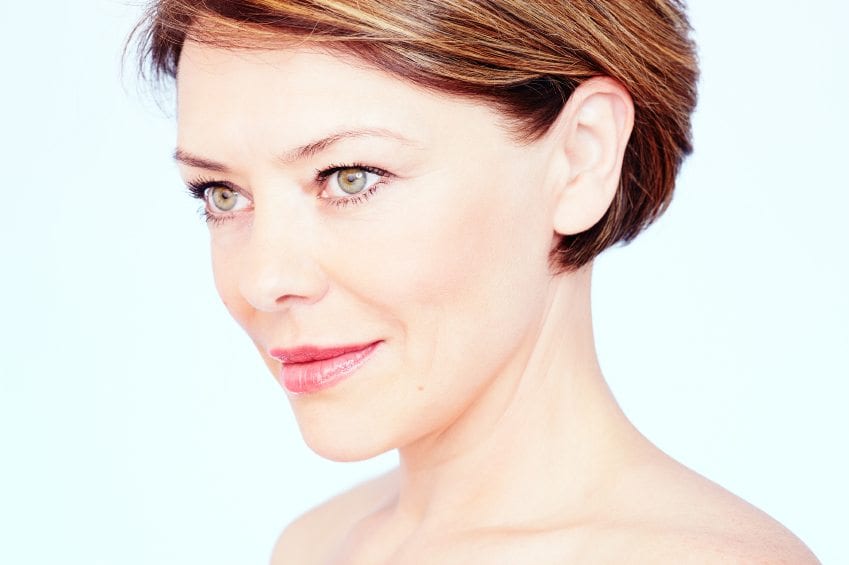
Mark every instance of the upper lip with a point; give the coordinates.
(308, 353)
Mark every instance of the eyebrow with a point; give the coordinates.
(298, 153)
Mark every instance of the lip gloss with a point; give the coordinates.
(308, 377)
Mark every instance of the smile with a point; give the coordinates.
(306, 370)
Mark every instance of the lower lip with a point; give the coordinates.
(307, 378)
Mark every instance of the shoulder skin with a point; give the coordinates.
(314, 536)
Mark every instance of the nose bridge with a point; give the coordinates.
(278, 267)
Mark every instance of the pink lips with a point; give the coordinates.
(310, 369)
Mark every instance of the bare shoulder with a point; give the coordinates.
(768, 545)
(732, 543)
(311, 537)
(679, 516)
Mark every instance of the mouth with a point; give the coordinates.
(310, 369)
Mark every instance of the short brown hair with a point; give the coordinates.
(524, 57)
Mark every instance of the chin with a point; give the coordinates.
(344, 454)
(342, 441)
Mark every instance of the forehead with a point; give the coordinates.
(295, 93)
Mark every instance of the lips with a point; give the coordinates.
(309, 369)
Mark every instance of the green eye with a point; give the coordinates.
(223, 198)
(348, 184)
(352, 180)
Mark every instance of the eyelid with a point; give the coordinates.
(322, 176)
(199, 188)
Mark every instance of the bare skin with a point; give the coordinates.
(720, 528)
(486, 381)
(604, 494)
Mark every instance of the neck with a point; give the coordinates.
(546, 435)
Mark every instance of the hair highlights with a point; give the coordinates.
(524, 58)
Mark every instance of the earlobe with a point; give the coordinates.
(591, 135)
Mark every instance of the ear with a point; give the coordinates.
(589, 136)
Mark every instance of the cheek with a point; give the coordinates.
(225, 271)
(457, 269)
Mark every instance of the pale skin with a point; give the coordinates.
(512, 448)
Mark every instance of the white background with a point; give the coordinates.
(137, 425)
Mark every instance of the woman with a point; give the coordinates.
(404, 201)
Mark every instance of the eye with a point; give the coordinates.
(343, 182)
(222, 198)
(352, 180)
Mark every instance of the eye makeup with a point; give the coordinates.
(203, 189)
(332, 173)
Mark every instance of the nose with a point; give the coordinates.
(278, 268)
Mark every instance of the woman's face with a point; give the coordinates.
(351, 207)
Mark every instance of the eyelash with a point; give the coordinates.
(321, 176)
(198, 188)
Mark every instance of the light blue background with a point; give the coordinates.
(137, 425)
